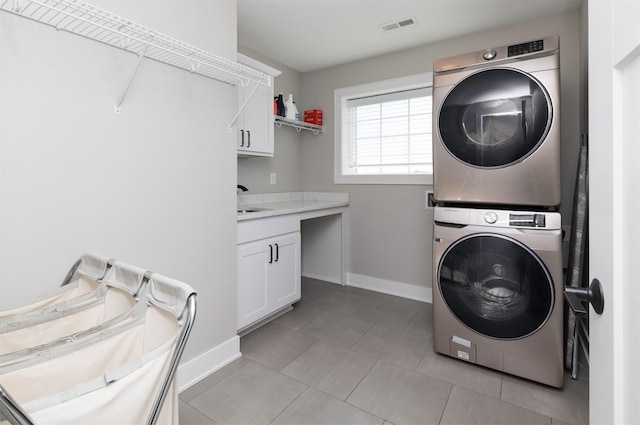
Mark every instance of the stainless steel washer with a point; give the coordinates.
(496, 132)
(498, 292)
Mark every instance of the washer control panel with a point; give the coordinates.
(498, 218)
(527, 220)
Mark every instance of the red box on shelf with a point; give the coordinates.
(313, 116)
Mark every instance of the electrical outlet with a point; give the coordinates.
(429, 202)
(272, 178)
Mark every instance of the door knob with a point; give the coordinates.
(593, 294)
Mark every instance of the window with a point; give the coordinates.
(383, 132)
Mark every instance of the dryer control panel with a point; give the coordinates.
(524, 48)
(527, 220)
(498, 218)
(502, 54)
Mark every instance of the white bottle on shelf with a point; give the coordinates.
(291, 109)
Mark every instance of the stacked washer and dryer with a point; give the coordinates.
(497, 275)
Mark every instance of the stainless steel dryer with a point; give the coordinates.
(496, 135)
(498, 292)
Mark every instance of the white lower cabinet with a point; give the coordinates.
(268, 269)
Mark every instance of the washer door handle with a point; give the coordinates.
(593, 294)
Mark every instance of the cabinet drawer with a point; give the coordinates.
(262, 228)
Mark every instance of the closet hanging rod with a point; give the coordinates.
(89, 21)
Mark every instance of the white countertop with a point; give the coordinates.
(274, 204)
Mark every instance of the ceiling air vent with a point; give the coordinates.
(402, 23)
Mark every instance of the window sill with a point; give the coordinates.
(422, 179)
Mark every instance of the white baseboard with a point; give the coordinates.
(399, 289)
(192, 371)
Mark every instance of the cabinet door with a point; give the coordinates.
(253, 292)
(268, 276)
(255, 123)
(286, 274)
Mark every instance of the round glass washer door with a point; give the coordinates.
(496, 286)
(495, 118)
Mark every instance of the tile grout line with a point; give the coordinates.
(200, 412)
(292, 401)
(446, 404)
(356, 387)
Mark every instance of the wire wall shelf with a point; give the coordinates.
(100, 25)
(298, 125)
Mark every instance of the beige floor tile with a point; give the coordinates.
(469, 407)
(387, 298)
(393, 315)
(301, 315)
(422, 323)
(208, 382)
(401, 396)
(338, 328)
(314, 407)
(570, 404)
(344, 302)
(254, 394)
(313, 289)
(389, 345)
(330, 368)
(275, 346)
(463, 374)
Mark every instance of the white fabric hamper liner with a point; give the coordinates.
(119, 372)
(83, 278)
(115, 296)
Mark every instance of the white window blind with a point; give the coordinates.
(390, 133)
(382, 132)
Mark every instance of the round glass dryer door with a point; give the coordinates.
(496, 286)
(495, 118)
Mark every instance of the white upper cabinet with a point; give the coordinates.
(255, 122)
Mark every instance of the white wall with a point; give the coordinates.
(154, 186)
(390, 231)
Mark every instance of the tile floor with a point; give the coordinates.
(349, 356)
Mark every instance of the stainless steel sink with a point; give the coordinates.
(242, 210)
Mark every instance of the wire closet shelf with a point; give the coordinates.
(83, 19)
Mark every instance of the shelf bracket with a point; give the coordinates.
(141, 56)
(235, 118)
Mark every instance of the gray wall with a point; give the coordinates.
(390, 231)
(254, 172)
(154, 186)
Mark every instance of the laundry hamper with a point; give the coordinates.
(121, 374)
